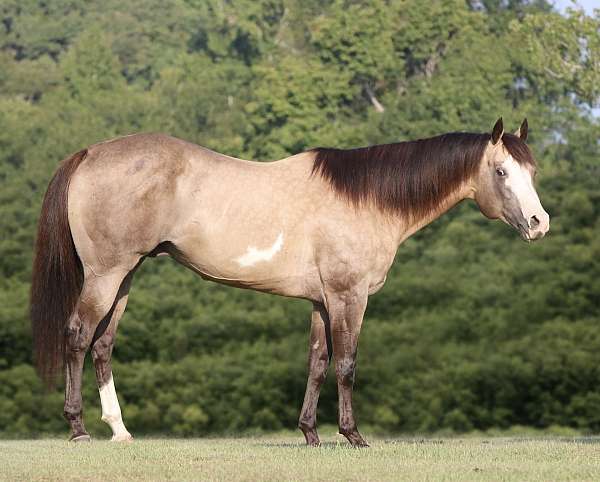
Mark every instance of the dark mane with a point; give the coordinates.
(409, 178)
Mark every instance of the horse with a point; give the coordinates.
(323, 225)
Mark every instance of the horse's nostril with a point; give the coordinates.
(534, 222)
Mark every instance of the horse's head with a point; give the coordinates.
(504, 183)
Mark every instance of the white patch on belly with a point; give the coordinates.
(254, 255)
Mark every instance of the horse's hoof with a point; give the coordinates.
(312, 440)
(313, 443)
(80, 437)
(122, 437)
(311, 436)
(355, 439)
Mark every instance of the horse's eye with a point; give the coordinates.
(500, 172)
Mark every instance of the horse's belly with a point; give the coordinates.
(271, 264)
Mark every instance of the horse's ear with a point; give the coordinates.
(497, 131)
(522, 131)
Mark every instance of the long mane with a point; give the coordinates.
(409, 178)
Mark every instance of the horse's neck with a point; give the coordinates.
(409, 227)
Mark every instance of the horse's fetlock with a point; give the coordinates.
(111, 418)
(347, 429)
(305, 424)
(72, 413)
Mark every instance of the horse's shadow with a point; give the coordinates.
(592, 439)
(346, 445)
(300, 445)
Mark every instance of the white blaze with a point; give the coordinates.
(520, 183)
(111, 411)
(254, 255)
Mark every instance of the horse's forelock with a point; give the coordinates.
(518, 149)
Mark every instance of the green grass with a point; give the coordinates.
(286, 458)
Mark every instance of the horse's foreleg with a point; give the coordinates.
(101, 354)
(94, 303)
(319, 354)
(346, 321)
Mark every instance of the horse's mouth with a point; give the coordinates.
(529, 235)
(521, 227)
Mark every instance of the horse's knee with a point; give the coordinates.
(319, 371)
(345, 371)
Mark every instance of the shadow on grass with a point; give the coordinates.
(346, 445)
(592, 439)
(413, 441)
(299, 445)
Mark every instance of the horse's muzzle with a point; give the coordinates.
(539, 225)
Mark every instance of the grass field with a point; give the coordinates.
(286, 458)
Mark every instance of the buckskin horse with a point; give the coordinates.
(323, 225)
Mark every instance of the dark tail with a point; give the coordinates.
(57, 274)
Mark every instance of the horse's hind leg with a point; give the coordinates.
(319, 354)
(96, 299)
(102, 347)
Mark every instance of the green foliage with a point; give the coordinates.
(473, 330)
